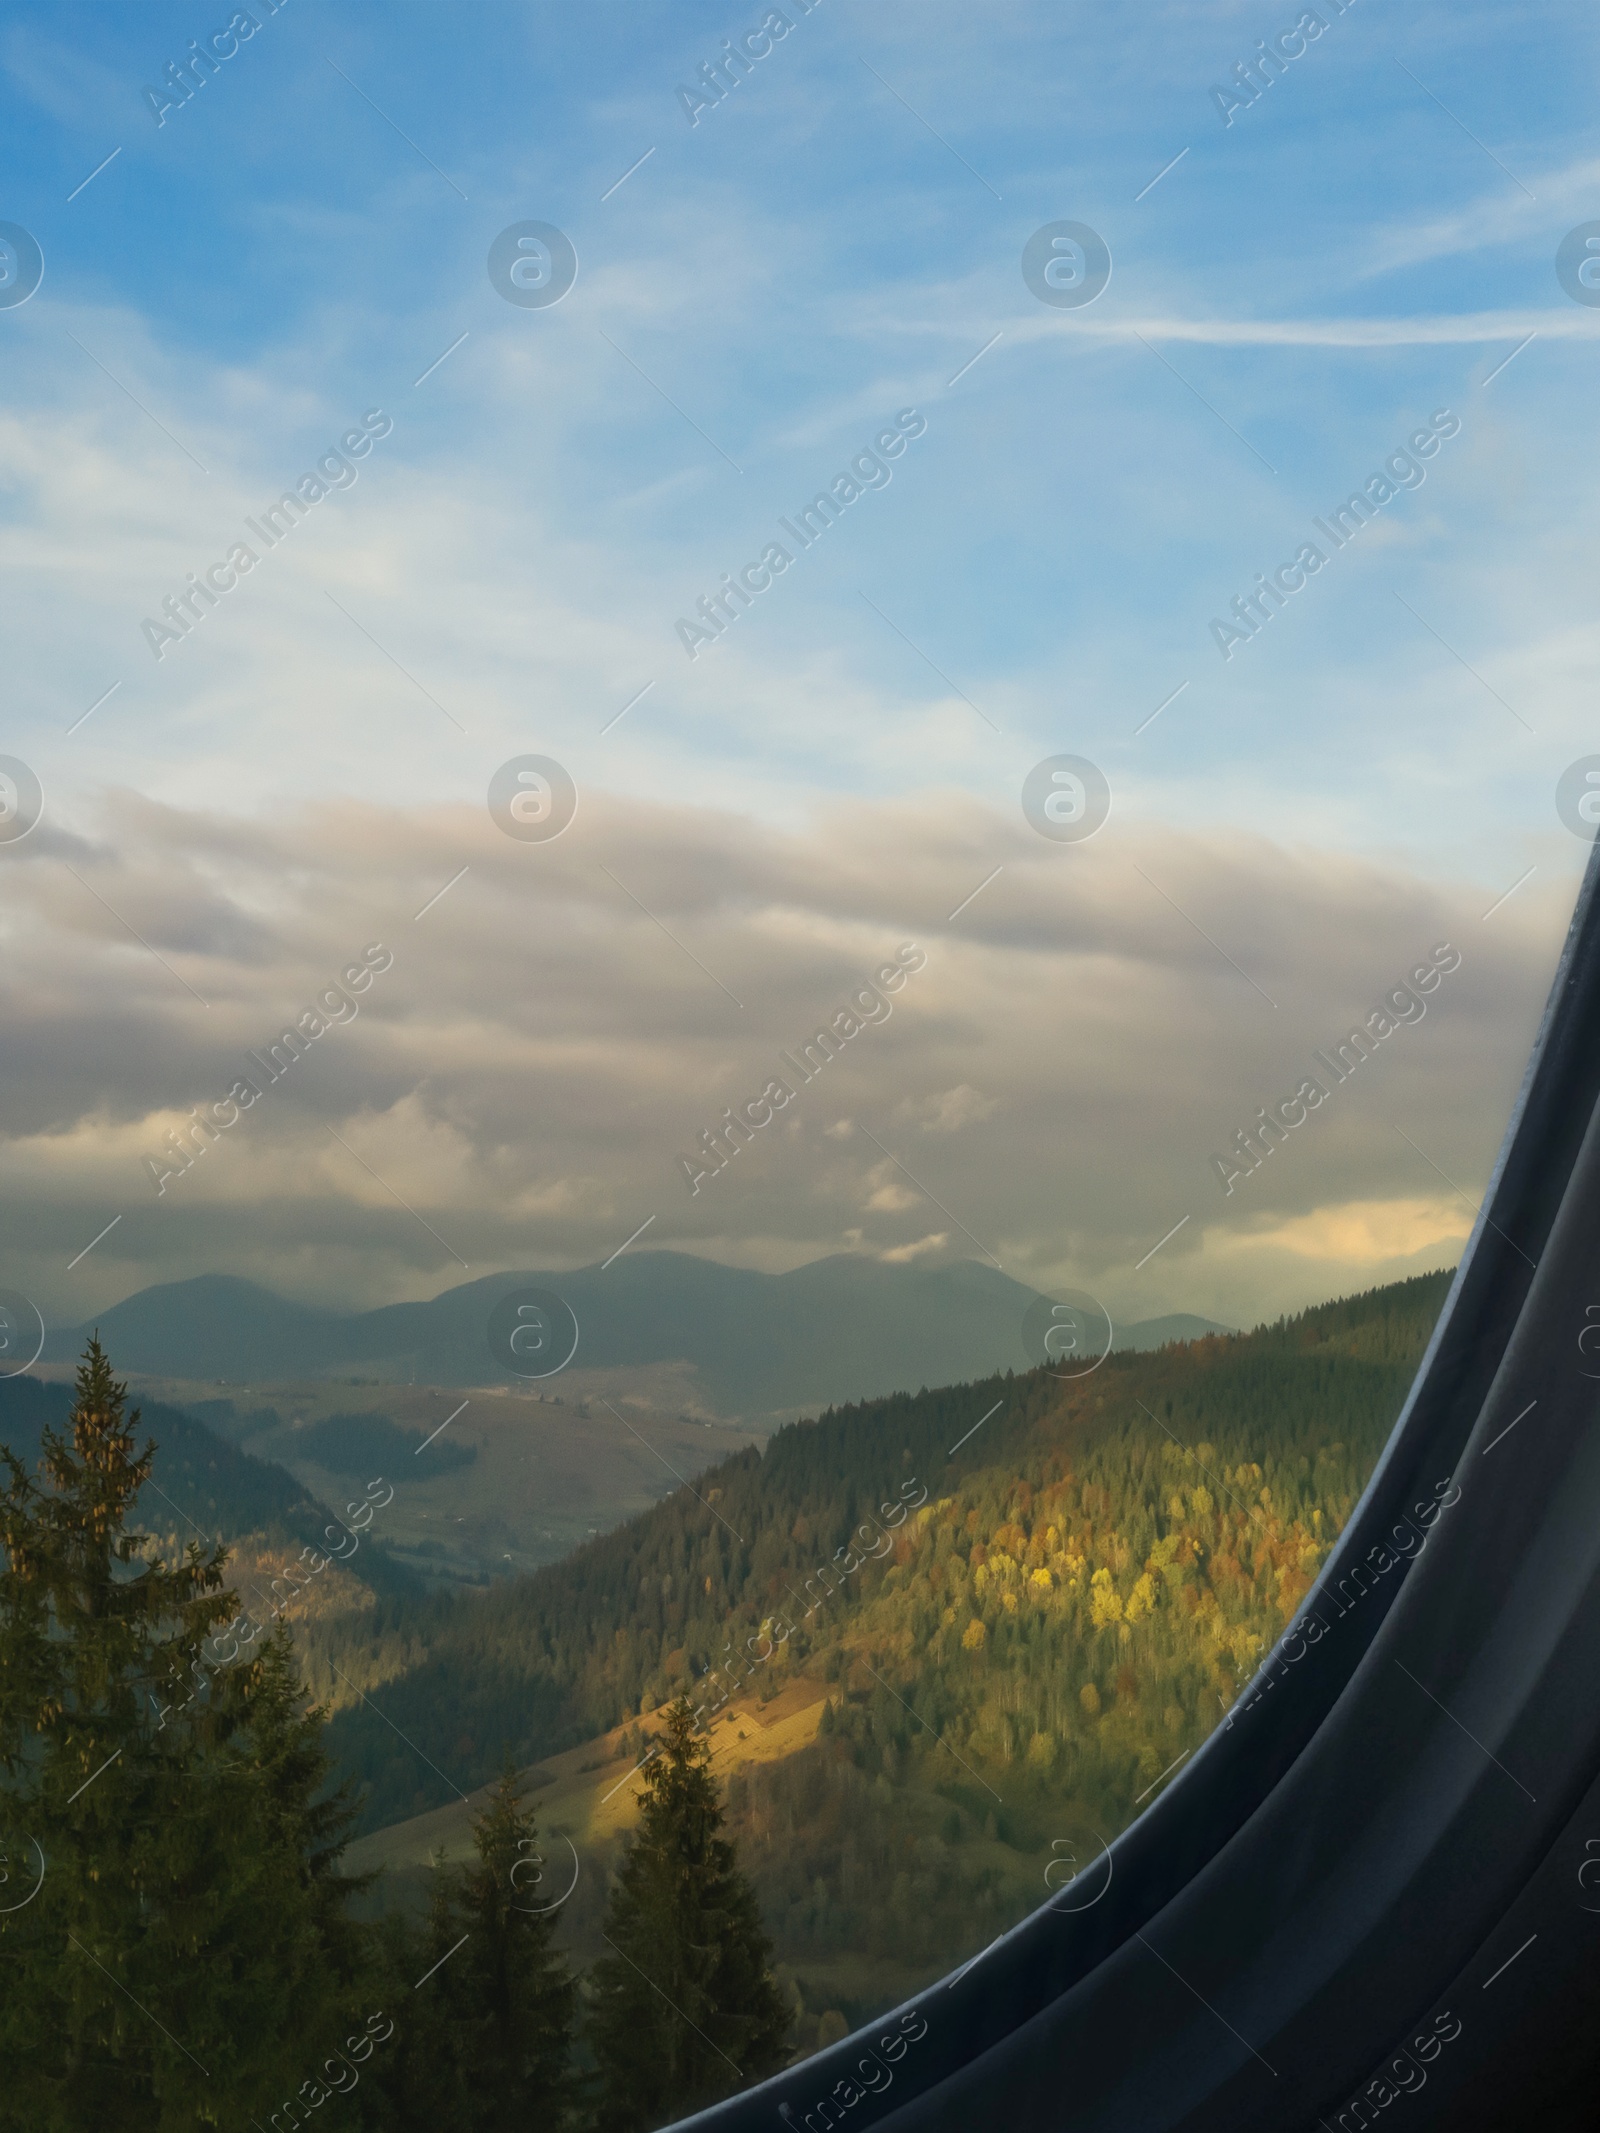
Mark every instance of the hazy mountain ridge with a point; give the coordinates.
(841, 1328)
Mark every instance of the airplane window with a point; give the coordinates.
(795, 1286)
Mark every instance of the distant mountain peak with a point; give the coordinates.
(843, 1327)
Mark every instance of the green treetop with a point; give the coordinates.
(181, 1961)
(685, 2007)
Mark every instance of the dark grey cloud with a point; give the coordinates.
(561, 1025)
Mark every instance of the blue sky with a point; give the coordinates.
(755, 300)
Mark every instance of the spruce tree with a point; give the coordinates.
(521, 1987)
(489, 2008)
(304, 1815)
(684, 2007)
(426, 2078)
(182, 1962)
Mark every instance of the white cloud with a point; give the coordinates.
(1497, 217)
(921, 1248)
(948, 1111)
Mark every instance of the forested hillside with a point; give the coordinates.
(204, 1489)
(1066, 1582)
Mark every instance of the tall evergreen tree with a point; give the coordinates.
(523, 1992)
(685, 2007)
(487, 2039)
(181, 1962)
(304, 1814)
(426, 2080)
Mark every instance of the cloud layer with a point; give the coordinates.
(528, 1079)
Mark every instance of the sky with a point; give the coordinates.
(509, 563)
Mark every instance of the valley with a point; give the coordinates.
(549, 1466)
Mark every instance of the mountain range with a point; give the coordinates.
(841, 1328)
